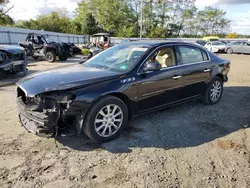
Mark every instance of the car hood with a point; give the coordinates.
(68, 77)
(12, 49)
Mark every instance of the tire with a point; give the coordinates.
(90, 55)
(2, 74)
(35, 57)
(230, 51)
(50, 56)
(63, 56)
(209, 98)
(90, 126)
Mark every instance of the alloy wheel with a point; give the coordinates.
(215, 91)
(108, 120)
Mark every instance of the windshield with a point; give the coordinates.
(121, 58)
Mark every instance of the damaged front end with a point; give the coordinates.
(44, 114)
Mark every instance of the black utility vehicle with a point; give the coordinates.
(37, 46)
(122, 82)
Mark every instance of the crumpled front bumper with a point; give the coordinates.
(37, 123)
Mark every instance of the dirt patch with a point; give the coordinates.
(228, 144)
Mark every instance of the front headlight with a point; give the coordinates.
(55, 101)
(65, 101)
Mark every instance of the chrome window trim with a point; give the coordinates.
(176, 66)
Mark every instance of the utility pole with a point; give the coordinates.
(141, 19)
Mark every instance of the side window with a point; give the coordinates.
(165, 56)
(205, 56)
(189, 54)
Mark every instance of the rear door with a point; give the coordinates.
(196, 69)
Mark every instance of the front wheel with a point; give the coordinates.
(214, 91)
(106, 119)
(50, 56)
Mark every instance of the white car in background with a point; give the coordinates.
(216, 46)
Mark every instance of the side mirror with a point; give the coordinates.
(152, 66)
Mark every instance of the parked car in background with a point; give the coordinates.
(12, 60)
(37, 46)
(224, 41)
(216, 46)
(238, 47)
(201, 42)
(120, 83)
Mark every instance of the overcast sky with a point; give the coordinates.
(237, 10)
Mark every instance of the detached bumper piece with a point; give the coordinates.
(38, 123)
(35, 127)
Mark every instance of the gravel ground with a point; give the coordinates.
(190, 145)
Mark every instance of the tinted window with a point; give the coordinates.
(190, 54)
(217, 43)
(205, 56)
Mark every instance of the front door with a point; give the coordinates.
(237, 47)
(158, 88)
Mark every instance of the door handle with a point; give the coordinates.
(207, 70)
(177, 77)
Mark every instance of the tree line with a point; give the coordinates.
(121, 18)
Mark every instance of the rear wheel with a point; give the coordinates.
(2, 74)
(106, 119)
(63, 56)
(229, 50)
(214, 91)
(50, 56)
(90, 55)
(35, 57)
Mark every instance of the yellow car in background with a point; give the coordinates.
(210, 38)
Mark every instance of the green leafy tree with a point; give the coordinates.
(5, 19)
(212, 21)
(109, 15)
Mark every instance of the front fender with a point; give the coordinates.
(87, 96)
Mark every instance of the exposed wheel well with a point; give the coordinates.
(127, 102)
(220, 76)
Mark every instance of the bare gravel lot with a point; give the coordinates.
(191, 145)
